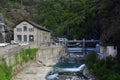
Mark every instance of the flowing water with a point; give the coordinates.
(56, 75)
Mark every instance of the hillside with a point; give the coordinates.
(64, 18)
(74, 19)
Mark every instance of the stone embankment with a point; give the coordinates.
(47, 55)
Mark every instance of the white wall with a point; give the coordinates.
(111, 50)
(21, 25)
(39, 35)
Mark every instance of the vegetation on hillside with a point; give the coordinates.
(73, 19)
(106, 69)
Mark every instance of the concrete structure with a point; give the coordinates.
(108, 50)
(5, 30)
(30, 32)
(50, 55)
(82, 47)
(62, 41)
(2, 32)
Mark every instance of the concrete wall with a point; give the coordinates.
(108, 50)
(50, 55)
(102, 49)
(111, 50)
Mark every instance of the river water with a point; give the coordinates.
(56, 75)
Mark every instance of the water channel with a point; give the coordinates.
(67, 71)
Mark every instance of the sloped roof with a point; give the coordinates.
(35, 25)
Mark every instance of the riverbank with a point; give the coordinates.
(34, 71)
(103, 69)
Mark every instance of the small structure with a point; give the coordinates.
(5, 31)
(108, 50)
(62, 41)
(30, 32)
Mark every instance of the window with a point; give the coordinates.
(19, 29)
(114, 47)
(19, 38)
(31, 29)
(25, 28)
(25, 38)
(31, 38)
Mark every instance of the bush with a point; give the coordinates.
(91, 59)
(106, 69)
(114, 77)
(5, 71)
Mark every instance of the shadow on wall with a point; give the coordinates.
(1, 38)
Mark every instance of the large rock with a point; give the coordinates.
(87, 74)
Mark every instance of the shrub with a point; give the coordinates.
(91, 59)
(107, 69)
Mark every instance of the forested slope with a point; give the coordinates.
(74, 19)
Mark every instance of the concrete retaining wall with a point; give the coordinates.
(50, 55)
(47, 55)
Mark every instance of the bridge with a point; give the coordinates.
(83, 46)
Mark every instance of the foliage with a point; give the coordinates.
(6, 72)
(28, 54)
(5, 14)
(25, 55)
(91, 59)
(68, 18)
(73, 19)
(106, 69)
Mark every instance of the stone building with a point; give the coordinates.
(30, 32)
(5, 30)
(108, 50)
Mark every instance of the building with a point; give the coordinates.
(108, 50)
(5, 33)
(30, 32)
(62, 41)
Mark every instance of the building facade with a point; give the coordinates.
(30, 32)
(108, 50)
